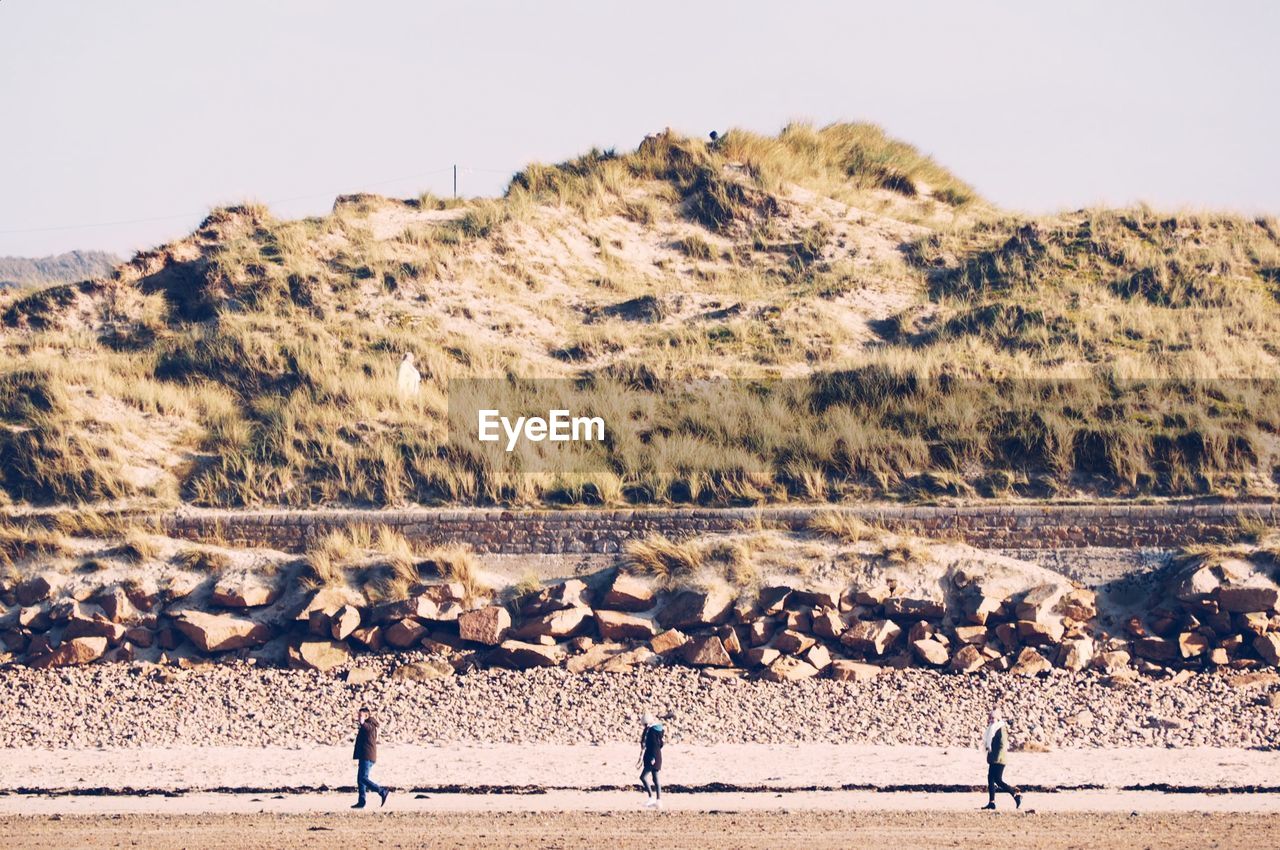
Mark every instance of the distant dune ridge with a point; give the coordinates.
(938, 347)
(59, 268)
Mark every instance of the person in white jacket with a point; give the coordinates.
(409, 377)
(996, 742)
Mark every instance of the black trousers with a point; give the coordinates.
(650, 770)
(995, 782)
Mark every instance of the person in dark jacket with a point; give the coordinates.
(366, 754)
(651, 759)
(996, 743)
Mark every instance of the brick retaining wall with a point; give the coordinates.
(603, 531)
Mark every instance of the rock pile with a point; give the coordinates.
(1215, 613)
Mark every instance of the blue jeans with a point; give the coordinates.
(363, 782)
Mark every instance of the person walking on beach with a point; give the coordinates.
(651, 759)
(996, 742)
(365, 755)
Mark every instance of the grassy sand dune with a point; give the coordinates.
(907, 339)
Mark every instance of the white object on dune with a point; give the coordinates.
(409, 377)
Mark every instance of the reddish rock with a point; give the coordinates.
(968, 659)
(827, 623)
(243, 593)
(1247, 599)
(115, 605)
(760, 632)
(344, 622)
(488, 625)
(617, 625)
(871, 636)
(558, 624)
(976, 635)
(522, 656)
(94, 627)
(1030, 663)
(788, 669)
(140, 636)
(930, 652)
(1268, 648)
(772, 600)
(693, 609)
(818, 656)
(81, 650)
(914, 609)
(1076, 654)
(668, 642)
(1155, 649)
(844, 670)
(32, 590)
(706, 651)
(221, 632)
(566, 594)
(760, 656)
(424, 671)
(322, 655)
(370, 637)
(628, 593)
(1192, 644)
(404, 633)
(791, 642)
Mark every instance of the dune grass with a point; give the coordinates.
(1094, 352)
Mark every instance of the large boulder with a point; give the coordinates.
(907, 608)
(221, 632)
(1247, 599)
(519, 655)
(628, 593)
(244, 592)
(617, 625)
(115, 604)
(1040, 632)
(668, 642)
(1268, 648)
(1075, 654)
(423, 671)
(559, 623)
(827, 623)
(792, 642)
(706, 651)
(488, 625)
(81, 650)
(788, 669)
(872, 637)
(695, 609)
(1156, 649)
(323, 655)
(1038, 603)
(760, 656)
(344, 622)
(370, 637)
(422, 606)
(594, 657)
(1030, 663)
(81, 626)
(33, 590)
(930, 651)
(844, 670)
(968, 659)
(404, 633)
(565, 594)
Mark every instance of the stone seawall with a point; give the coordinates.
(515, 532)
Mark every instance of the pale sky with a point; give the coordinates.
(137, 116)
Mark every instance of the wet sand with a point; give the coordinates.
(809, 830)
